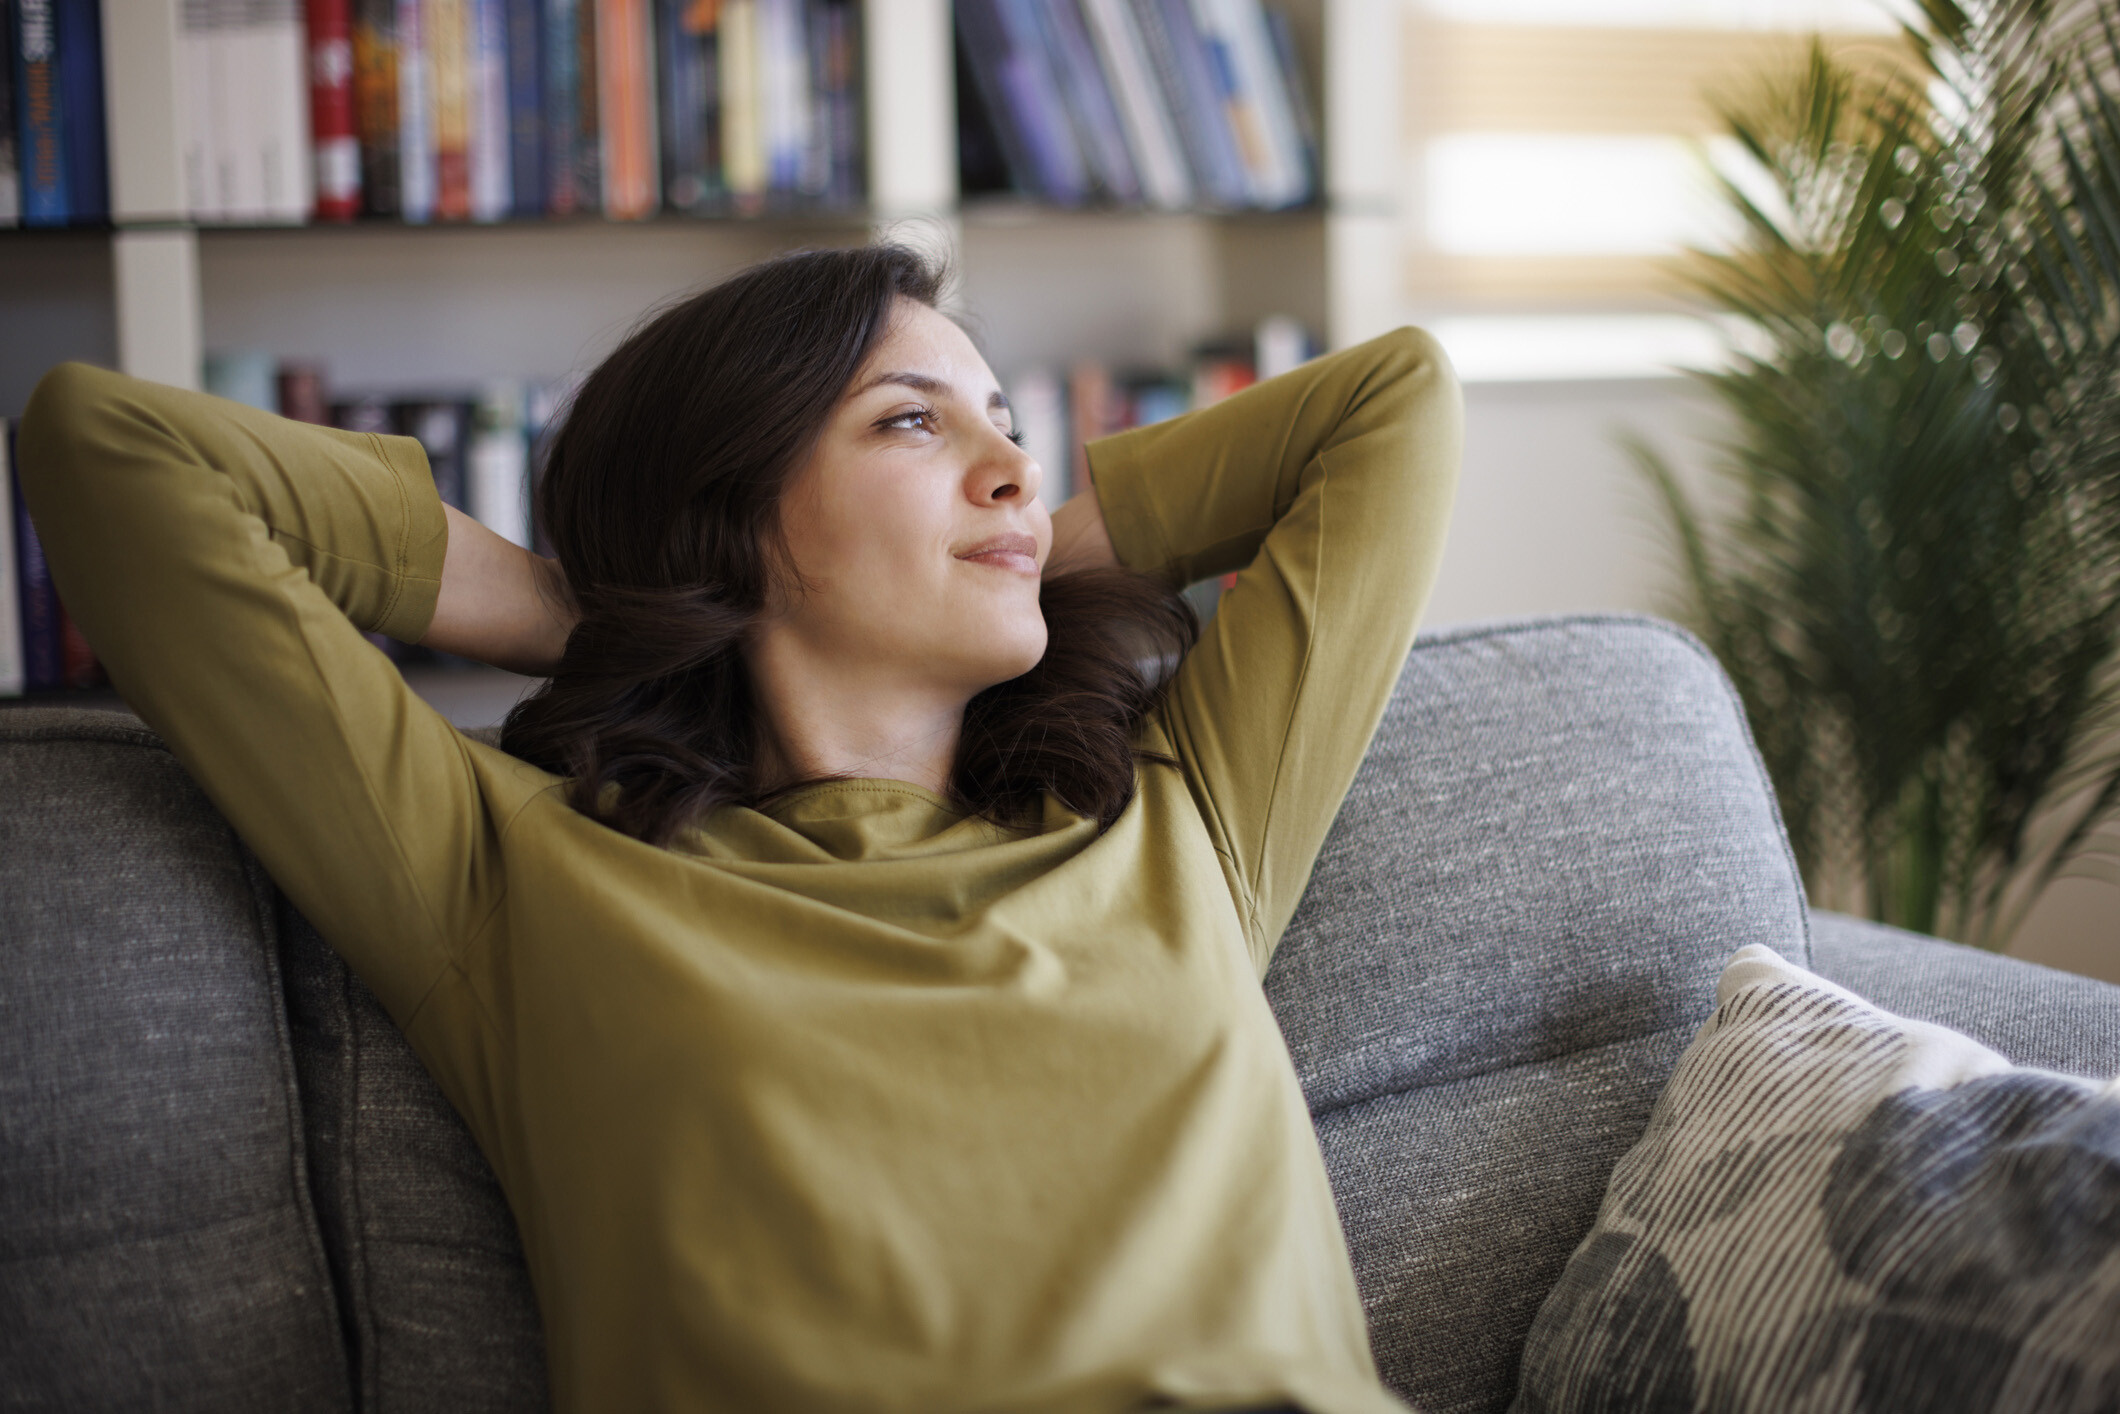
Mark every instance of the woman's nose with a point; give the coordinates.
(1011, 474)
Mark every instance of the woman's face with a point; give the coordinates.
(915, 527)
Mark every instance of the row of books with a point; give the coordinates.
(478, 442)
(53, 169)
(453, 110)
(1170, 104)
(1061, 411)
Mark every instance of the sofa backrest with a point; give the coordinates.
(1559, 834)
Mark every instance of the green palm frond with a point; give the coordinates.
(1917, 586)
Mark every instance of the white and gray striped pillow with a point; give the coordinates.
(1834, 1208)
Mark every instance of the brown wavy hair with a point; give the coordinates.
(661, 494)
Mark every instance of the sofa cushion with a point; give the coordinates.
(439, 1309)
(1836, 1208)
(2032, 1014)
(157, 1244)
(1561, 832)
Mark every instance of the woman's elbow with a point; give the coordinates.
(73, 410)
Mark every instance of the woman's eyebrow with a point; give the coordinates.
(923, 383)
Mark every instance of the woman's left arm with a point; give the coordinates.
(1329, 490)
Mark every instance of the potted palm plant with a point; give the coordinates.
(1911, 563)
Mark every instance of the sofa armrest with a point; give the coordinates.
(2034, 1015)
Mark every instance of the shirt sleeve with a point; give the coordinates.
(1328, 489)
(224, 563)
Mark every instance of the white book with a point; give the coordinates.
(492, 184)
(1150, 129)
(1268, 136)
(786, 83)
(416, 180)
(10, 605)
(497, 467)
(1037, 402)
(196, 105)
(286, 176)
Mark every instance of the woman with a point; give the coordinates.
(852, 1023)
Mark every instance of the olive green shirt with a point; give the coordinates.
(854, 1103)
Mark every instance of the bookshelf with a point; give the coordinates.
(385, 304)
(1125, 286)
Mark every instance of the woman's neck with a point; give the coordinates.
(824, 721)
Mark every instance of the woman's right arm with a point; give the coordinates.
(224, 563)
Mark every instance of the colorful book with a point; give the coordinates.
(497, 465)
(835, 46)
(625, 48)
(588, 112)
(743, 132)
(375, 93)
(334, 136)
(1089, 101)
(416, 190)
(1185, 73)
(526, 107)
(10, 597)
(492, 174)
(1005, 50)
(10, 174)
(784, 95)
(1290, 64)
(1256, 100)
(80, 27)
(562, 97)
(1159, 160)
(688, 90)
(40, 114)
(445, 30)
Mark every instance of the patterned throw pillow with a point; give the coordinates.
(1835, 1208)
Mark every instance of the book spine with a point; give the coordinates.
(526, 108)
(497, 466)
(39, 116)
(625, 49)
(240, 113)
(10, 598)
(80, 27)
(1289, 64)
(1031, 90)
(785, 91)
(1264, 119)
(440, 428)
(445, 25)
(334, 138)
(847, 180)
(1089, 102)
(1160, 163)
(415, 117)
(491, 173)
(562, 94)
(286, 170)
(685, 48)
(375, 79)
(1187, 78)
(78, 667)
(43, 661)
(588, 111)
(743, 150)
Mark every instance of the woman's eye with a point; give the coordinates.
(922, 419)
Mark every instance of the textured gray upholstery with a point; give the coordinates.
(157, 1246)
(437, 1301)
(2031, 1014)
(1559, 836)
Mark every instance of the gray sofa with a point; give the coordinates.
(225, 1184)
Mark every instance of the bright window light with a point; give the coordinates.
(1569, 194)
(1517, 348)
(1841, 16)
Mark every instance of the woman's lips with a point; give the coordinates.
(1009, 552)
